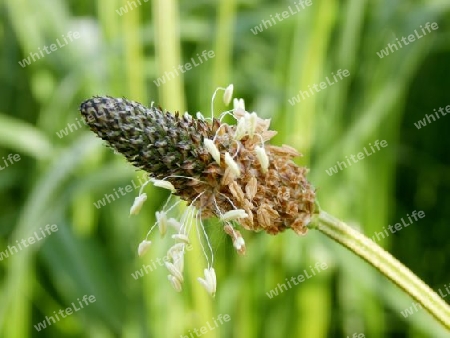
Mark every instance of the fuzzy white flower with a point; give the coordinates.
(174, 224)
(143, 247)
(176, 284)
(200, 116)
(161, 218)
(233, 214)
(179, 262)
(175, 250)
(164, 184)
(234, 167)
(238, 104)
(262, 158)
(228, 94)
(209, 282)
(241, 129)
(252, 120)
(138, 203)
(174, 271)
(212, 149)
(239, 245)
(181, 238)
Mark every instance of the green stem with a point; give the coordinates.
(385, 263)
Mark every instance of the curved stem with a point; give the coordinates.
(384, 262)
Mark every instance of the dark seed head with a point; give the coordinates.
(152, 140)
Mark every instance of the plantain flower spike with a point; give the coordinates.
(230, 171)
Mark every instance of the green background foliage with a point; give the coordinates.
(58, 179)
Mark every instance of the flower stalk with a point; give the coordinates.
(384, 262)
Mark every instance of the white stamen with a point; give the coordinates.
(181, 238)
(234, 167)
(143, 247)
(174, 271)
(238, 104)
(174, 223)
(179, 262)
(251, 123)
(239, 245)
(164, 184)
(212, 149)
(200, 116)
(175, 250)
(228, 94)
(138, 203)
(161, 218)
(233, 214)
(187, 116)
(241, 129)
(209, 283)
(262, 158)
(175, 283)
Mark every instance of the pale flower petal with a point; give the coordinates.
(233, 214)
(174, 271)
(161, 218)
(182, 238)
(143, 247)
(262, 158)
(238, 104)
(228, 95)
(209, 283)
(252, 120)
(212, 149)
(164, 184)
(176, 284)
(138, 203)
(234, 167)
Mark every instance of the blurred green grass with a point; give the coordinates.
(94, 251)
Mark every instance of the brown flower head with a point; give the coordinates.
(228, 171)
